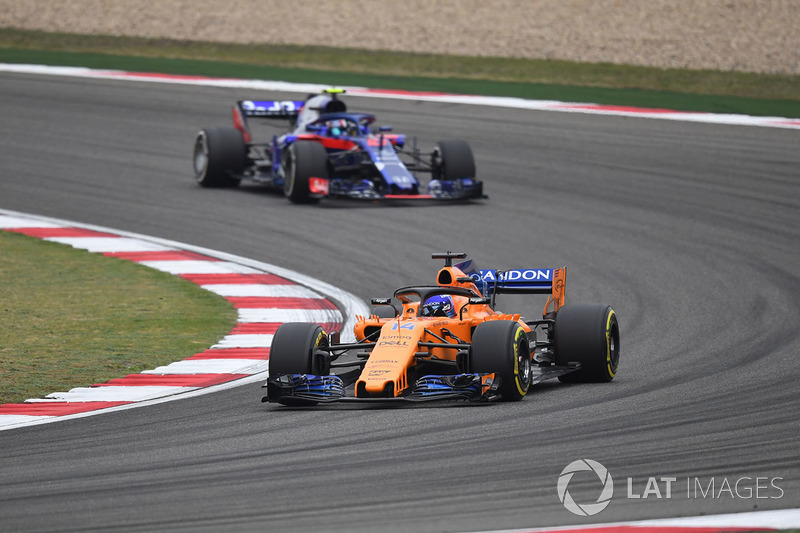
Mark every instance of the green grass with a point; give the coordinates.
(72, 318)
(680, 89)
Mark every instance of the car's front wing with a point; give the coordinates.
(308, 389)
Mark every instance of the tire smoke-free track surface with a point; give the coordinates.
(689, 231)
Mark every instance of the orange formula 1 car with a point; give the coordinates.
(447, 341)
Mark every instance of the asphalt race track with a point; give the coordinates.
(690, 231)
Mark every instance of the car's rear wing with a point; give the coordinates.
(280, 109)
(528, 280)
(270, 108)
(551, 281)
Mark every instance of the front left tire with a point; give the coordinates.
(306, 159)
(293, 350)
(452, 160)
(501, 347)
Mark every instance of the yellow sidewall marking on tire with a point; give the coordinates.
(611, 372)
(319, 338)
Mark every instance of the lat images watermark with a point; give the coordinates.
(587, 509)
(661, 487)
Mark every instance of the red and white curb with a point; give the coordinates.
(264, 296)
(495, 101)
(750, 521)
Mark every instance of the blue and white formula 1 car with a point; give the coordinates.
(330, 152)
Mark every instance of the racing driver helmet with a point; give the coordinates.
(439, 305)
(337, 127)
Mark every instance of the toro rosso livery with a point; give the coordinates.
(447, 341)
(329, 151)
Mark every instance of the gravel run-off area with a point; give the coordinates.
(737, 35)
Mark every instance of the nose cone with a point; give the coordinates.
(386, 371)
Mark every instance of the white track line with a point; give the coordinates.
(494, 101)
(778, 519)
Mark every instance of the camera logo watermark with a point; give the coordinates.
(740, 488)
(586, 509)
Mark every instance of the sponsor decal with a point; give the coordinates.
(387, 342)
(515, 276)
(382, 362)
(271, 106)
(318, 186)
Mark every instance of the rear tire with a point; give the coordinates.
(587, 334)
(219, 155)
(306, 159)
(293, 347)
(452, 160)
(501, 346)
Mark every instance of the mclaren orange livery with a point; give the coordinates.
(447, 341)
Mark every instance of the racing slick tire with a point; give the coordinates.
(306, 159)
(501, 346)
(219, 155)
(587, 334)
(452, 160)
(293, 350)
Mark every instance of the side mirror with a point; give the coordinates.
(379, 308)
(473, 301)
